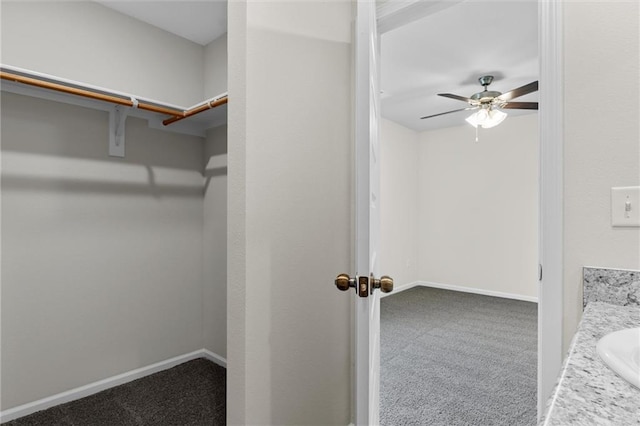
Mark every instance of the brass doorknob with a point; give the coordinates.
(344, 282)
(385, 283)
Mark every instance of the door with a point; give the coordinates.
(367, 300)
(367, 352)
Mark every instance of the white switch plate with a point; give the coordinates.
(619, 197)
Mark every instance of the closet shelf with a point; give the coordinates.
(47, 85)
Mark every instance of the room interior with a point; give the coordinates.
(76, 219)
(458, 214)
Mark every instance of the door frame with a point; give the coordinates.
(393, 14)
(551, 213)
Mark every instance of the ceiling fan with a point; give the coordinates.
(488, 103)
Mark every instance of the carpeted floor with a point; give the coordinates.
(452, 358)
(447, 358)
(192, 394)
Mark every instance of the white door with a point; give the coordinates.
(367, 281)
(367, 107)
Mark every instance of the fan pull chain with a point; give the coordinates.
(477, 133)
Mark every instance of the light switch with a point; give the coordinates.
(625, 206)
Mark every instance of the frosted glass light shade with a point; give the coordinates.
(494, 118)
(486, 118)
(477, 118)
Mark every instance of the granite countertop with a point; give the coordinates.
(588, 392)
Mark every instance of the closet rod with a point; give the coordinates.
(193, 111)
(89, 94)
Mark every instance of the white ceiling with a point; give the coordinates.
(200, 21)
(445, 52)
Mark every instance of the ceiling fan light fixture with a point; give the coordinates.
(486, 118)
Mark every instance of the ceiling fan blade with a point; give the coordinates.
(448, 112)
(452, 96)
(520, 91)
(521, 105)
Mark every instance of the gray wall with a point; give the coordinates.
(90, 43)
(101, 257)
(215, 67)
(214, 300)
(290, 212)
(214, 330)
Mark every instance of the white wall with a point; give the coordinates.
(214, 296)
(101, 256)
(478, 223)
(215, 67)
(602, 140)
(461, 213)
(90, 43)
(399, 202)
(289, 212)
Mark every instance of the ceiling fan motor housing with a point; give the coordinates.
(486, 96)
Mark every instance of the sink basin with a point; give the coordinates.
(620, 350)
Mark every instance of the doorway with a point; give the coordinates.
(463, 215)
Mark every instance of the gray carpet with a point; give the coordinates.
(452, 358)
(192, 393)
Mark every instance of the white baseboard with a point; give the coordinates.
(484, 292)
(399, 288)
(110, 382)
(211, 356)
